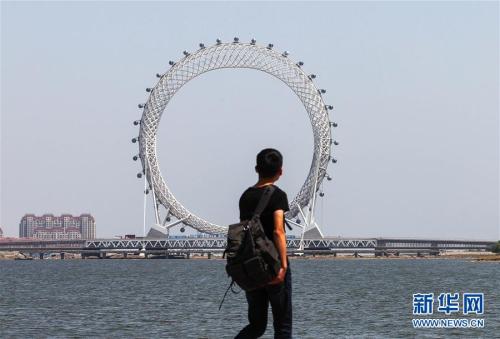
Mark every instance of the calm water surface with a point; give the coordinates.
(180, 298)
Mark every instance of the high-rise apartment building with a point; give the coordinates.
(49, 226)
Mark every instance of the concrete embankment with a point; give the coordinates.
(10, 255)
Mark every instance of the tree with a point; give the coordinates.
(496, 247)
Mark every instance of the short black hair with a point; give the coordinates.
(269, 162)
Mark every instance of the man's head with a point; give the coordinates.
(269, 163)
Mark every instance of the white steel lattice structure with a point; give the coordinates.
(198, 244)
(234, 55)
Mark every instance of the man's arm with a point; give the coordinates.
(280, 243)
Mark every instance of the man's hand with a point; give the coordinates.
(279, 278)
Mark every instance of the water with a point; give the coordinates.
(179, 298)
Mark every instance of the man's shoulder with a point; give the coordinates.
(246, 191)
(279, 191)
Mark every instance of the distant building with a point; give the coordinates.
(1, 233)
(50, 227)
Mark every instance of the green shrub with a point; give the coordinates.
(496, 247)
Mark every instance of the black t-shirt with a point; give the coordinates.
(249, 200)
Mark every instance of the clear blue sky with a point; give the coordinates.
(415, 87)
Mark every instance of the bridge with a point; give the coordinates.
(187, 245)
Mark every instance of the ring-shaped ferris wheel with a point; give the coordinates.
(234, 55)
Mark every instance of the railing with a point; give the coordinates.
(220, 243)
(10, 244)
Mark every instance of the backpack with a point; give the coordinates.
(252, 258)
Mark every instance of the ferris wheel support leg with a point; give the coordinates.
(294, 223)
(319, 230)
(309, 223)
(160, 231)
(156, 203)
(144, 212)
(290, 221)
(301, 246)
(169, 226)
(166, 217)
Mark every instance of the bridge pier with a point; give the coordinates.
(40, 255)
(62, 255)
(334, 254)
(125, 255)
(102, 255)
(356, 254)
(188, 255)
(86, 255)
(209, 255)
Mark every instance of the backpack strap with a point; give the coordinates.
(224, 297)
(264, 200)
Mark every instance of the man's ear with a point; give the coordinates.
(280, 171)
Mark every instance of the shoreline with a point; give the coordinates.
(488, 256)
(470, 256)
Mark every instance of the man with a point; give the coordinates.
(279, 291)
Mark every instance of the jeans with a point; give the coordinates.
(280, 297)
